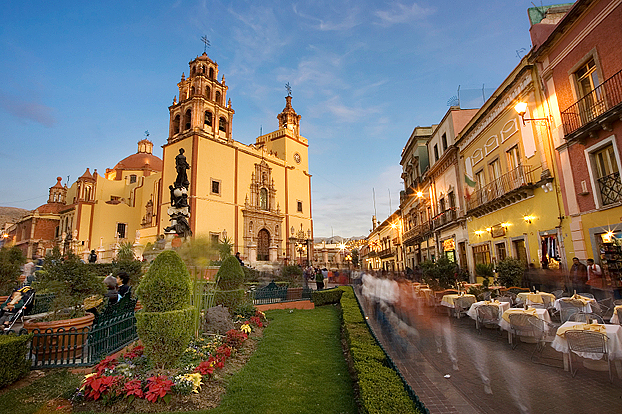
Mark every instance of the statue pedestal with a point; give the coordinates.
(168, 237)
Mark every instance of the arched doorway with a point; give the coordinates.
(263, 245)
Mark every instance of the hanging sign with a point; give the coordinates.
(449, 245)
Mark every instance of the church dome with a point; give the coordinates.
(142, 160)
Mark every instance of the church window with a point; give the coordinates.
(214, 238)
(299, 206)
(194, 70)
(222, 124)
(203, 69)
(215, 187)
(192, 91)
(218, 98)
(263, 199)
(211, 73)
(121, 230)
(187, 119)
(176, 123)
(208, 118)
(208, 92)
(87, 193)
(132, 178)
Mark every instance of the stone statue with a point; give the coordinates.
(181, 165)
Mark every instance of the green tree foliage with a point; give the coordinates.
(198, 251)
(11, 258)
(510, 272)
(486, 271)
(230, 276)
(441, 273)
(70, 280)
(126, 262)
(292, 274)
(165, 325)
(355, 258)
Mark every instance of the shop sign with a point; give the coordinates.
(449, 245)
(497, 231)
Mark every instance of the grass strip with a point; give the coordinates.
(297, 368)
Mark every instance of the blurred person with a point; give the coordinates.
(122, 282)
(319, 279)
(112, 294)
(578, 275)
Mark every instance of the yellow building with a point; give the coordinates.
(513, 204)
(257, 195)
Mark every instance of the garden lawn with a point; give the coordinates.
(298, 367)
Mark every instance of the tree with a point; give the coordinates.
(11, 258)
(355, 258)
(510, 272)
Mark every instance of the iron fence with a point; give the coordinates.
(610, 188)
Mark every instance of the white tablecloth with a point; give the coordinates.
(587, 308)
(541, 313)
(614, 343)
(473, 309)
(536, 298)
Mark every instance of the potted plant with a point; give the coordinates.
(70, 281)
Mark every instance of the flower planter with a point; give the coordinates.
(59, 340)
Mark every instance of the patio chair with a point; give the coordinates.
(619, 313)
(617, 302)
(546, 303)
(606, 308)
(545, 333)
(584, 317)
(488, 295)
(461, 306)
(516, 290)
(506, 299)
(520, 326)
(557, 293)
(487, 315)
(586, 295)
(566, 313)
(588, 342)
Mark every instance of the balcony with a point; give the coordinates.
(610, 189)
(511, 187)
(386, 253)
(594, 110)
(417, 233)
(445, 217)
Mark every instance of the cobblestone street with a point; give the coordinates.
(453, 369)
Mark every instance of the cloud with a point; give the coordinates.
(348, 22)
(29, 110)
(402, 13)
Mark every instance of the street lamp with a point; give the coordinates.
(521, 109)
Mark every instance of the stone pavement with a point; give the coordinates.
(453, 369)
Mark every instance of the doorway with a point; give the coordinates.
(263, 245)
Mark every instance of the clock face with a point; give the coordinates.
(297, 157)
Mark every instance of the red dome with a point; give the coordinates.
(140, 161)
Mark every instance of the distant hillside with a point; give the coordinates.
(336, 239)
(10, 215)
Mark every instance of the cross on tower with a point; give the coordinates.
(289, 89)
(206, 42)
(147, 134)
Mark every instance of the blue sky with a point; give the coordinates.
(82, 81)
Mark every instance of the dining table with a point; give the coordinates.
(614, 343)
(503, 306)
(584, 304)
(504, 323)
(535, 298)
(448, 300)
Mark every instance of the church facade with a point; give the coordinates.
(256, 196)
(259, 195)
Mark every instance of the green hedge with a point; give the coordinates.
(230, 299)
(165, 335)
(371, 364)
(326, 297)
(13, 362)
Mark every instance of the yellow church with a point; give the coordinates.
(258, 196)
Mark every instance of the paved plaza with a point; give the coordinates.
(453, 369)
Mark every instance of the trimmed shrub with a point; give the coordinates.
(166, 286)
(230, 276)
(371, 364)
(510, 272)
(230, 299)
(11, 258)
(13, 362)
(101, 270)
(326, 297)
(165, 335)
(166, 323)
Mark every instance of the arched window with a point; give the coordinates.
(222, 124)
(203, 69)
(250, 227)
(211, 73)
(208, 92)
(194, 70)
(192, 91)
(208, 118)
(176, 122)
(263, 199)
(218, 97)
(188, 119)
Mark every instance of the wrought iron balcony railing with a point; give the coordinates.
(445, 217)
(610, 188)
(520, 176)
(587, 109)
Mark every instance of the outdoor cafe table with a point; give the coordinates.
(503, 306)
(448, 300)
(531, 298)
(614, 318)
(614, 345)
(587, 308)
(505, 319)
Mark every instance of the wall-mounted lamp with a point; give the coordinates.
(419, 194)
(479, 233)
(505, 225)
(489, 229)
(521, 108)
(529, 219)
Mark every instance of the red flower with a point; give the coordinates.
(256, 320)
(205, 367)
(134, 387)
(158, 387)
(224, 350)
(235, 338)
(108, 362)
(134, 352)
(95, 386)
